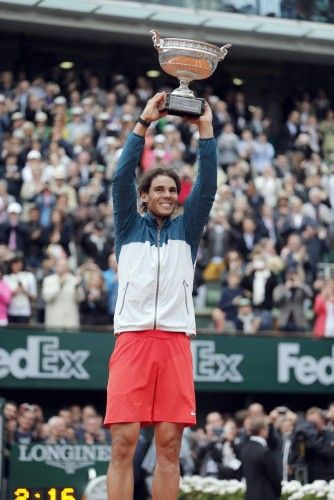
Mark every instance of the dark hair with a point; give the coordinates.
(146, 181)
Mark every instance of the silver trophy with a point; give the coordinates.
(187, 60)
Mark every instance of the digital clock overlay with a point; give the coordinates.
(63, 493)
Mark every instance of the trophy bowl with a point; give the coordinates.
(187, 60)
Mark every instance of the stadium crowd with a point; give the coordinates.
(270, 227)
(306, 10)
(301, 444)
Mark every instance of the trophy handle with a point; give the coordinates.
(158, 42)
(224, 50)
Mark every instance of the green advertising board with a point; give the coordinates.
(54, 472)
(68, 360)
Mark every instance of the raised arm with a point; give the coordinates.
(201, 198)
(124, 186)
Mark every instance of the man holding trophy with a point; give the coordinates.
(150, 371)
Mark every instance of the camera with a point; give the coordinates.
(218, 432)
(282, 410)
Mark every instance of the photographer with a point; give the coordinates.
(219, 449)
(205, 439)
(320, 449)
(289, 298)
(312, 449)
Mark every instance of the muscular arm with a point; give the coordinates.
(123, 186)
(201, 198)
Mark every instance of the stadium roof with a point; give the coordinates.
(127, 21)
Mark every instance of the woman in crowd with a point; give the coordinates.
(324, 311)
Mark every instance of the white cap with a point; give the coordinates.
(159, 139)
(169, 128)
(111, 140)
(34, 155)
(77, 110)
(17, 116)
(40, 116)
(60, 100)
(14, 208)
(59, 172)
(2, 98)
(104, 116)
(127, 118)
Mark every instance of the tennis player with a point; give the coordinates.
(150, 370)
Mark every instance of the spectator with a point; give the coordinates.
(219, 323)
(13, 232)
(330, 416)
(77, 128)
(315, 241)
(320, 449)
(24, 433)
(60, 187)
(60, 230)
(234, 262)
(56, 431)
(62, 292)
(23, 289)
(327, 133)
(296, 220)
(10, 410)
(294, 253)
(284, 421)
(324, 311)
(111, 283)
(227, 146)
(97, 244)
(261, 281)
(289, 298)
(94, 306)
(259, 465)
(45, 201)
(268, 220)
(91, 433)
(205, 441)
(289, 132)
(246, 320)
(261, 157)
(246, 238)
(35, 241)
(5, 297)
(230, 294)
(316, 209)
(268, 185)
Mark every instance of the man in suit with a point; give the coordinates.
(289, 132)
(263, 479)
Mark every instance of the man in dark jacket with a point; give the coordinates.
(320, 447)
(14, 232)
(263, 480)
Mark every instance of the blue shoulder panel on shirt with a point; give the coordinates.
(145, 230)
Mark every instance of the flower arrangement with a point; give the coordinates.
(210, 488)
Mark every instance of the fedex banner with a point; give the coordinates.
(72, 360)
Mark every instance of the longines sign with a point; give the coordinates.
(69, 458)
(45, 466)
(80, 360)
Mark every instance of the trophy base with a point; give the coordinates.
(184, 106)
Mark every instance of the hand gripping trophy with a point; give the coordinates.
(187, 60)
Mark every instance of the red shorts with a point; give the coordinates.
(151, 379)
